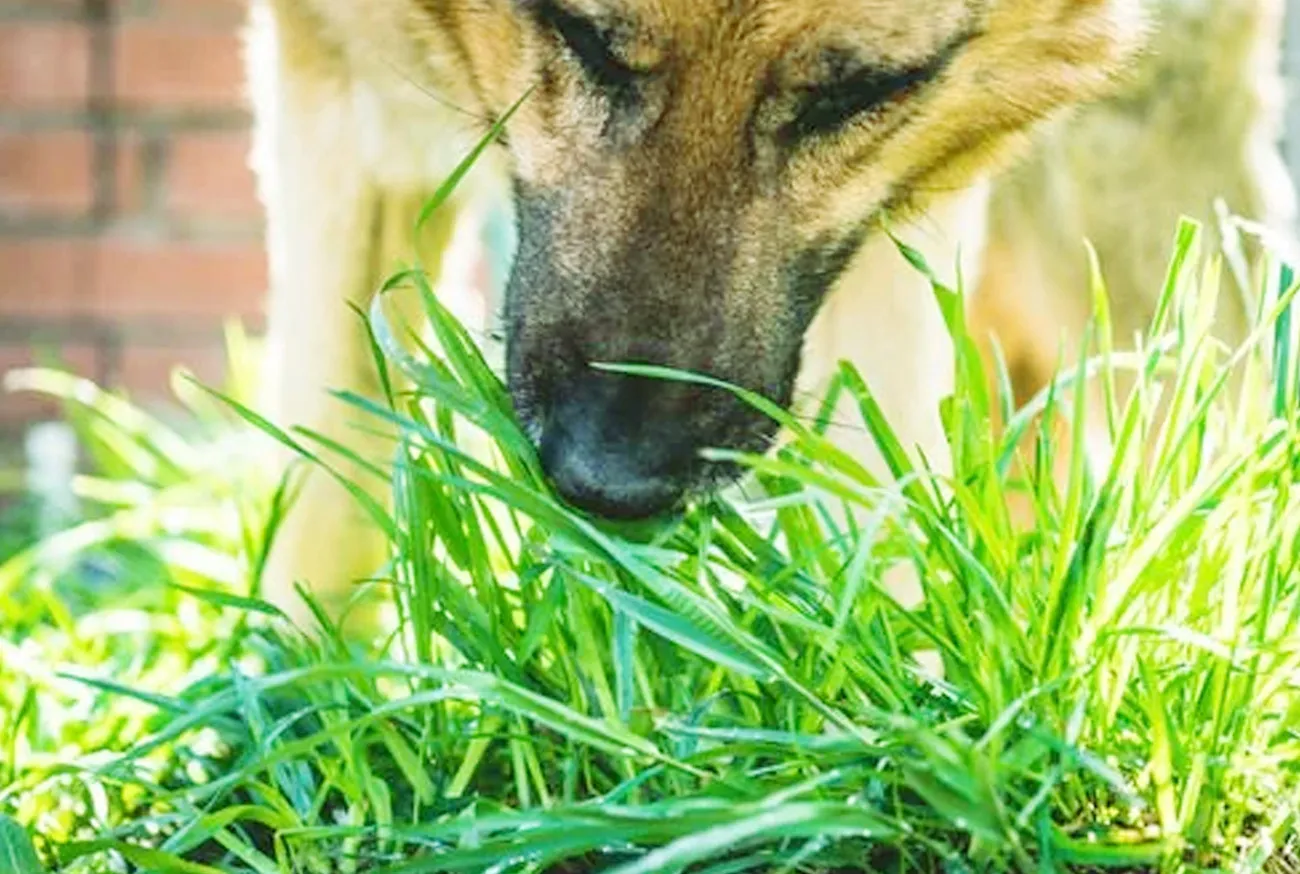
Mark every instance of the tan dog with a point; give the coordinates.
(700, 183)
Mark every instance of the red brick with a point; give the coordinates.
(178, 66)
(23, 407)
(216, 12)
(145, 372)
(180, 281)
(46, 172)
(208, 175)
(45, 278)
(129, 174)
(44, 65)
(44, 9)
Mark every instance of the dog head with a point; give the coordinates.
(692, 177)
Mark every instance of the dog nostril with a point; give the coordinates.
(605, 487)
(597, 481)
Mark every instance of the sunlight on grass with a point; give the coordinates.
(731, 691)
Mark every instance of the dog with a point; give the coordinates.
(712, 185)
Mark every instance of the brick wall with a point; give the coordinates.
(129, 228)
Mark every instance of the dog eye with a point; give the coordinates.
(591, 45)
(829, 109)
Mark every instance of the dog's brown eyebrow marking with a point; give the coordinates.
(549, 10)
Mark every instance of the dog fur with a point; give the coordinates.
(702, 184)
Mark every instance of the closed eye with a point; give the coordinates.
(591, 45)
(829, 108)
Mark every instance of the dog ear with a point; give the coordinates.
(1031, 60)
(1081, 45)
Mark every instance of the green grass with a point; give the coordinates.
(732, 691)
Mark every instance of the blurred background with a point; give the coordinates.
(129, 223)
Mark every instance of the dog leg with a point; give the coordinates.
(330, 232)
(884, 319)
(1199, 121)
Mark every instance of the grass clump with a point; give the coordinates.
(732, 691)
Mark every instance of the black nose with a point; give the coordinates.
(610, 448)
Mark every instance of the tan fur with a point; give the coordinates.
(363, 106)
(1199, 121)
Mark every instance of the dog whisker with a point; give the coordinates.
(412, 80)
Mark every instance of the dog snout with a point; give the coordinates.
(622, 447)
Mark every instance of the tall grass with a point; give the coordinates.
(735, 690)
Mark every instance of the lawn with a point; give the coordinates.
(729, 691)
